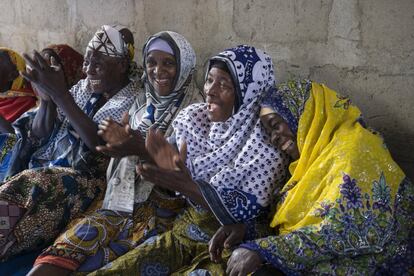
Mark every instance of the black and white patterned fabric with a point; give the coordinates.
(59, 145)
(233, 162)
(152, 111)
(159, 111)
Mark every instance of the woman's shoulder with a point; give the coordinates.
(194, 109)
(132, 89)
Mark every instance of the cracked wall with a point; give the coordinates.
(361, 48)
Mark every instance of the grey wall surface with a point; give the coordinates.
(361, 48)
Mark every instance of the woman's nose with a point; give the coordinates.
(211, 89)
(90, 70)
(157, 70)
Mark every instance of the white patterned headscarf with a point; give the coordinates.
(159, 111)
(233, 161)
(109, 41)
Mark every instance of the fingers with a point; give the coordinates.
(232, 240)
(179, 164)
(125, 118)
(54, 64)
(215, 246)
(28, 76)
(31, 62)
(40, 60)
(230, 264)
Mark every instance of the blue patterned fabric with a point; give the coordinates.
(64, 147)
(287, 102)
(233, 162)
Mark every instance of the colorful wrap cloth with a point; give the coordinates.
(50, 194)
(20, 97)
(348, 208)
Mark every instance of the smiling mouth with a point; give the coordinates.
(286, 145)
(95, 82)
(162, 82)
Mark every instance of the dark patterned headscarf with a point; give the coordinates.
(288, 100)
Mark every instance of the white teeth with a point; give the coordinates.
(287, 144)
(162, 82)
(95, 82)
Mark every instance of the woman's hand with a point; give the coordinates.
(121, 140)
(162, 152)
(243, 261)
(49, 81)
(227, 236)
(38, 91)
(174, 180)
(179, 179)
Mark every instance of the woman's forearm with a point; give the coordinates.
(82, 124)
(44, 119)
(191, 191)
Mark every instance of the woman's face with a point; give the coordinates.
(8, 72)
(105, 74)
(161, 68)
(280, 134)
(220, 92)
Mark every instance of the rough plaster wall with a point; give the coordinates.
(362, 48)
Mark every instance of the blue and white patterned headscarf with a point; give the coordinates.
(233, 161)
(288, 100)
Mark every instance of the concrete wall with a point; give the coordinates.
(362, 48)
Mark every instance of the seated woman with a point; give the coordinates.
(132, 210)
(347, 208)
(232, 168)
(63, 174)
(16, 94)
(70, 61)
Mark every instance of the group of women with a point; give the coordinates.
(193, 177)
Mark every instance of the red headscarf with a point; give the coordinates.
(71, 62)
